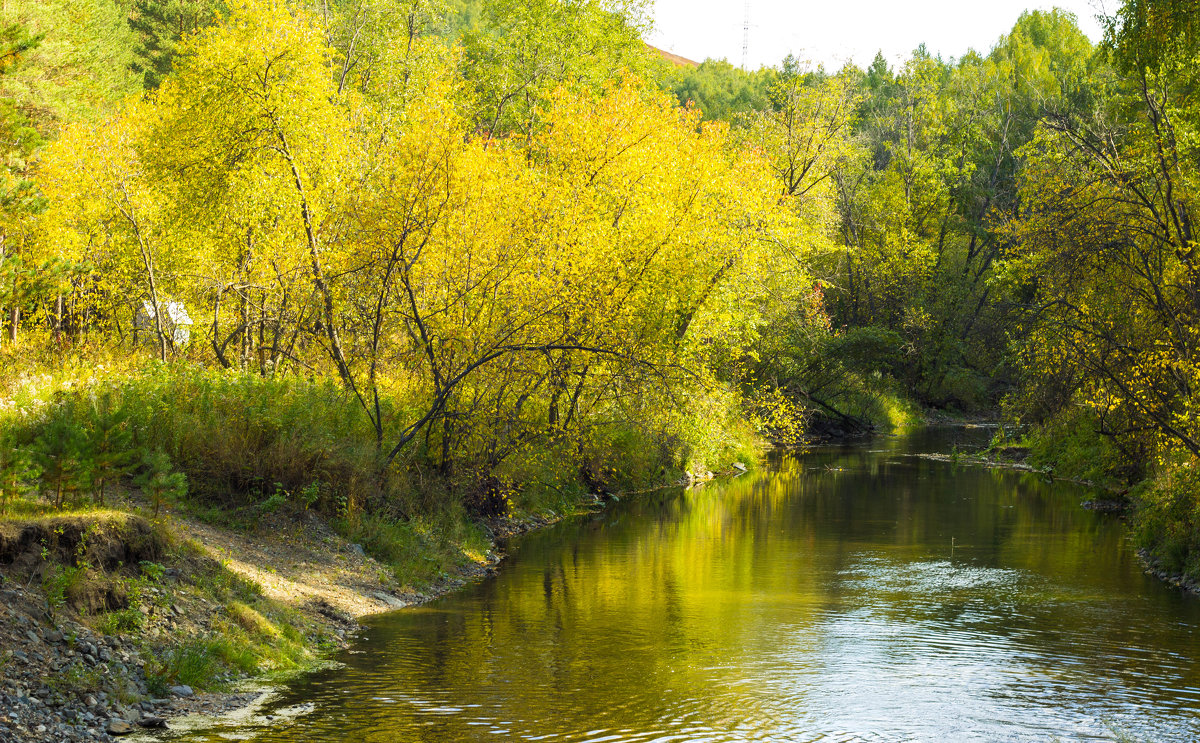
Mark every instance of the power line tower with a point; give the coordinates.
(746, 37)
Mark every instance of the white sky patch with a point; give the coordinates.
(836, 31)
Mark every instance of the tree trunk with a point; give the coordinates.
(58, 317)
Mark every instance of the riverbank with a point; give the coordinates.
(117, 621)
(851, 560)
(94, 647)
(276, 526)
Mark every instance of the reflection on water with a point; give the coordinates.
(845, 595)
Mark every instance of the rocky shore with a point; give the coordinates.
(63, 682)
(1152, 568)
(64, 679)
(84, 631)
(66, 676)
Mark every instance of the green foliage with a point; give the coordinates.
(194, 663)
(122, 622)
(160, 26)
(1072, 445)
(419, 550)
(81, 67)
(112, 449)
(60, 582)
(18, 470)
(63, 455)
(252, 622)
(246, 438)
(1167, 520)
(159, 480)
(720, 90)
(523, 50)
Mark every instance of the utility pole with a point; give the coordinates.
(746, 38)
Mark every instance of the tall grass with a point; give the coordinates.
(239, 435)
(240, 446)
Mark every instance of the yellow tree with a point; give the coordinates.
(255, 145)
(106, 210)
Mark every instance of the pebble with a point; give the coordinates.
(117, 726)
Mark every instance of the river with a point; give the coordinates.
(846, 594)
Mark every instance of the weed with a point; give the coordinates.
(191, 663)
(77, 679)
(251, 621)
(123, 621)
(61, 582)
(152, 571)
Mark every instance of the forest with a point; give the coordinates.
(416, 264)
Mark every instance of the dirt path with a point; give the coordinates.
(302, 563)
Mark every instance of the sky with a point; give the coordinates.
(833, 32)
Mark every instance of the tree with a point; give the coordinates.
(720, 90)
(62, 454)
(524, 49)
(16, 193)
(161, 26)
(111, 443)
(17, 470)
(108, 209)
(159, 481)
(1106, 246)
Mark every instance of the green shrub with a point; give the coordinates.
(242, 437)
(1073, 447)
(1167, 520)
(122, 621)
(60, 582)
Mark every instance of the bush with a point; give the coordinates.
(242, 438)
(1073, 447)
(1167, 521)
(239, 439)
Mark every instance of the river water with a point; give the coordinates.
(846, 594)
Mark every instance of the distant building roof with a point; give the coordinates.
(674, 59)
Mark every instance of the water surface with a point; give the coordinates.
(848, 594)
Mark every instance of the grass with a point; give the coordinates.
(1071, 446)
(251, 635)
(418, 552)
(121, 622)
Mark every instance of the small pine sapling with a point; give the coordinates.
(17, 471)
(63, 454)
(158, 480)
(113, 450)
